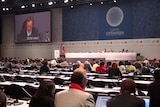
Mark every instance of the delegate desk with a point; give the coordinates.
(107, 56)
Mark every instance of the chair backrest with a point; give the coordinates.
(15, 91)
(58, 81)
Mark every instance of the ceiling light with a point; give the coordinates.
(66, 1)
(3, 0)
(115, 1)
(71, 6)
(55, 2)
(23, 6)
(102, 2)
(50, 3)
(33, 5)
(4, 9)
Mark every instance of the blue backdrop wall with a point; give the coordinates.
(126, 19)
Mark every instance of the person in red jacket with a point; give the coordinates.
(101, 68)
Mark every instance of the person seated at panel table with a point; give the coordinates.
(153, 90)
(130, 67)
(44, 96)
(3, 99)
(127, 97)
(101, 68)
(114, 71)
(75, 96)
(44, 70)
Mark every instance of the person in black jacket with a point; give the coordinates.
(153, 90)
(125, 98)
(44, 70)
(44, 96)
(114, 72)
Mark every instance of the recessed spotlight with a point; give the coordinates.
(50, 3)
(115, 1)
(90, 4)
(72, 6)
(66, 1)
(102, 2)
(33, 5)
(3, 0)
(4, 9)
(23, 6)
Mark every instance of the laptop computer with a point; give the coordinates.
(102, 99)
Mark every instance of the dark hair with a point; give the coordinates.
(157, 74)
(30, 18)
(128, 85)
(77, 77)
(2, 99)
(46, 88)
(102, 63)
(121, 63)
(114, 65)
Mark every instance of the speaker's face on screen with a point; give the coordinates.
(29, 26)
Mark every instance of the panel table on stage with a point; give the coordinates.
(107, 56)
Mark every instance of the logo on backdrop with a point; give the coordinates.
(114, 18)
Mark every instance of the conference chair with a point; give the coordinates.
(16, 92)
(30, 90)
(24, 79)
(96, 83)
(59, 81)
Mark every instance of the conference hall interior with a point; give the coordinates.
(108, 40)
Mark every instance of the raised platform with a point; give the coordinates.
(107, 56)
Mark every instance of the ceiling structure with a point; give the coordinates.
(26, 6)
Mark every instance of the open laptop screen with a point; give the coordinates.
(102, 99)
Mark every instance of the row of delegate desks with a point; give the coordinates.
(105, 90)
(66, 77)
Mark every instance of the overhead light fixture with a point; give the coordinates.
(102, 2)
(115, 1)
(3, 0)
(50, 3)
(4, 9)
(90, 3)
(23, 6)
(72, 6)
(33, 5)
(66, 1)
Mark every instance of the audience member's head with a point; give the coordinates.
(129, 63)
(157, 74)
(2, 99)
(128, 86)
(79, 78)
(121, 63)
(114, 65)
(46, 88)
(102, 63)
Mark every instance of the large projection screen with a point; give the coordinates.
(33, 27)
